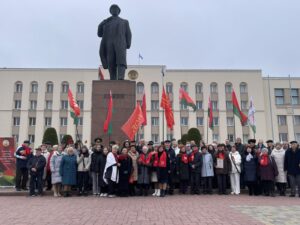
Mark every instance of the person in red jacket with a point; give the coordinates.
(163, 168)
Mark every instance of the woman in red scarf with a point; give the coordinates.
(182, 168)
(154, 165)
(125, 170)
(144, 171)
(162, 172)
(268, 171)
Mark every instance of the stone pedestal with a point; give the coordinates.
(124, 101)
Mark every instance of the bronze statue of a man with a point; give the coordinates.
(116, 39)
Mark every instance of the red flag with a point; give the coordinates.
(210, 115)
(237, 111)
(74, 106)
(166, 105)
(107, 123)
(144, 110)
(100, 74)
(134, 122)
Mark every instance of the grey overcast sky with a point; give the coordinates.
(190, 34)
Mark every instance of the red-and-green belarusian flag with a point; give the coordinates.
(185, 99)
(75, 110)
(210, 115)
(107, 128)
(237, 111)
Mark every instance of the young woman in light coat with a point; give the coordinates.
(207, 171)
(235, 172)
(55, 162)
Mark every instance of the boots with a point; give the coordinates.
(55, 191)
(162, 193)
(155, 192)
(158, 193)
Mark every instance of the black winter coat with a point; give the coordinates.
(183, 169)
(197, 162)
(96, 162)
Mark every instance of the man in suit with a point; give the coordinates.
(116, 38)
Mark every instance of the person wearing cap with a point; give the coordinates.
(172, 168)
(250, 169)
(270, 146)
(278, 154)
(133, 154)
(55, 162)
(268, 171)
(207, 170)
(292, 167)
(183, 170)
(36, 165)
(22, 154)
(236, 161)
(195, 162)
(222, 164)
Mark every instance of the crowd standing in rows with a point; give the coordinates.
(131, 169)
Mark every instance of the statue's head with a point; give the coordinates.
(114, 10)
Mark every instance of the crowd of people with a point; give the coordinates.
(135, 169)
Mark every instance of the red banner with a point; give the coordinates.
(7, 161)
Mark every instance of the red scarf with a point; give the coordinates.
(116, 157)
(163, 160)
(264, 161)
(144, 159)
(122, 157)
(48, 163)
(221, 155)
(184, 158)
(26, 150)
(155, 156)
(192, 156)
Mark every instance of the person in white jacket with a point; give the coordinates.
(236, 160)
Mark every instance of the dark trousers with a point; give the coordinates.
(171, 182)
(143, 189)
(117, 72)
(21, 178)
(207, 185)
(222, 183)
(281, 187)
(104, 189)
(251, 187)
(48, 179)
(83, 181)
(294, 181)
(258, 187)
(132, 188)
(268, 187)
(195, 183)
(36, 181)
(111, 187)
(183, 186)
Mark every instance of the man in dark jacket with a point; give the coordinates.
(172, 165)
(195, 161)
(292, 166)
(116, 38)
(36, 166)
(22, 154)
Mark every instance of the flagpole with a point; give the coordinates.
(207, 130)
(163, 111)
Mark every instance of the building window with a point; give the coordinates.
(198, 88)
(279, 96)
(213, 88)
(228, 88)
(199, 105)
(32, 121)
(33, 104)
(154, 88)
(63, 121)
(48, 121)
(169, 136)
(80, 121)
(229, 105)
(297, 137)
(34, 87)
(61, 137)
(169, 88)
(184, 86)
(244, 105)
(16, 121)
(80, 104)
(184, 121)
(216, 137)
(140, 88)
(18, 104)
(155, 121)
(154, 105)
(183, 106)
(48, 105)
(64, 104)
(16, 137)
(31, 138)
(141, 136)
(214, 105)
(283, 137)
(199, 121)
(80, 87)
(296, 120)
(230, 137)
(18, 87)
(155, 138)
(230, 121)
(281, 120)
(295, 96)
(216, 121)
(245, 138)
(243, 88)
(49, 87)
(65, 87)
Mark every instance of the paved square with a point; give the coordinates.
(175, 210)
